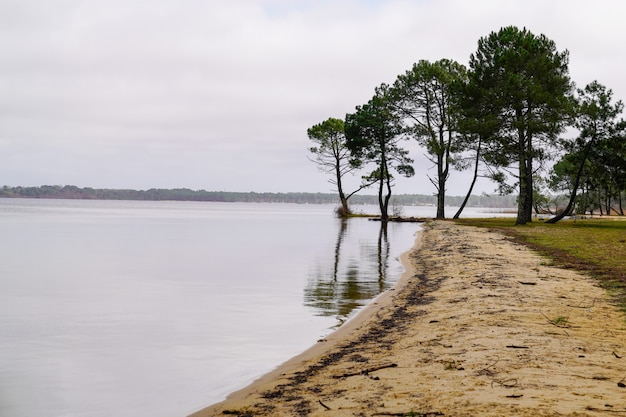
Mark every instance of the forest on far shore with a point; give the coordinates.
(184, 194)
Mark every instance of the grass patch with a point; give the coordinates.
(594, 246)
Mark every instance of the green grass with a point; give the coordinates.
(594, 246)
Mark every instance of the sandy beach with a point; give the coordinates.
(477, 326)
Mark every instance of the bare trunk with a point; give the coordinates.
(342, 197)
(521, 199)
(529, 179)
(441, 190)
(388, 196)
(443, 158)
(381, 204)
(600, 205)
(469, 192)
(383, 200)
(524, 181)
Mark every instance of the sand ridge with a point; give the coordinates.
(479, 326)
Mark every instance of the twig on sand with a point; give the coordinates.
(366, 371)
(595, 377)
(410, 414)
(486, 370)
(559, 322)
(604, 411)
(324, 405)
(507, 383)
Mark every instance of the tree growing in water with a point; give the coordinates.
(333, 157)
(373, 135)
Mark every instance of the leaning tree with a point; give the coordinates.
(373, 135)
(521, 87)
(333, 157)
(599, 127)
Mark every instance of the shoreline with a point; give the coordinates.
(478, 325)
(328, 342)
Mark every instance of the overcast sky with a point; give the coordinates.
(218, 95)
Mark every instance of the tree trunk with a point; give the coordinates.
(529, 178)
(382, 201)
(443, 167)
(441, 189)
(522, 199)
(523, 156)
(469, 192)
(388, 196)
(600, 205)
(590, 201)
(342, 197)
(381, 205)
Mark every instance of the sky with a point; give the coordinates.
(218, 95)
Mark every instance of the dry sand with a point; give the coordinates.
(478, 326)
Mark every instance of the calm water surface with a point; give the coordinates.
(158, 309)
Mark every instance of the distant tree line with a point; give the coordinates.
(502, 117)
(184, 194)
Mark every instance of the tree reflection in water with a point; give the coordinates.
(357, 273)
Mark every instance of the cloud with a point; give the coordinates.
(218, 95)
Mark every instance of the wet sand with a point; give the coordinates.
(477, 326)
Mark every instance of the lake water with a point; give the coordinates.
(133, 309)
(115, 308)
